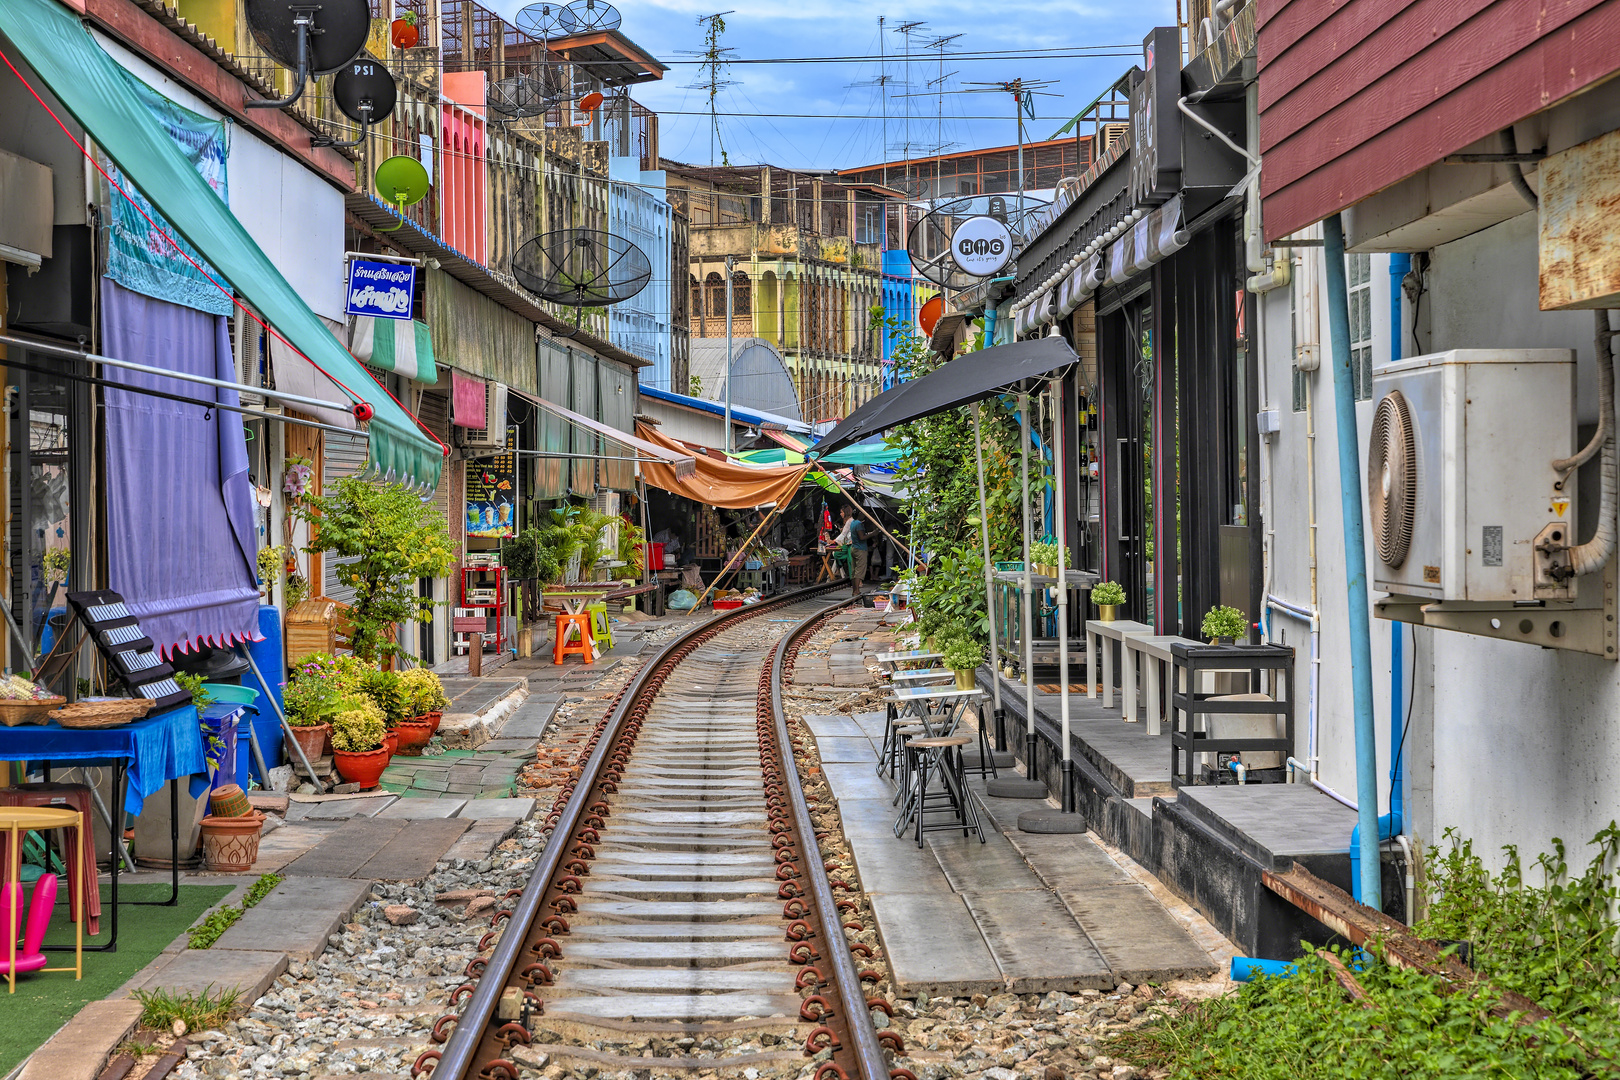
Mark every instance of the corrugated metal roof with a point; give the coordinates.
(759, 376)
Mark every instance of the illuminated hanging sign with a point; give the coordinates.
(981, 246)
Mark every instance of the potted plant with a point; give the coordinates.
(1223, 625)
(427, 695)
(392, 539)
(310, 697)
(389, 691)
(1108, 596)
(358, 741)
(929, 625)
(404, 32)
(963, 655)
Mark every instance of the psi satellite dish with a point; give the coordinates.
(582, 268)
(363, 91)
(311, 39)
(402, 181)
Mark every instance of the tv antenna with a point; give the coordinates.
(715, 60)
(1023, 92)
(906, 29)
(364, 91)
(311, 39)
(582, 268)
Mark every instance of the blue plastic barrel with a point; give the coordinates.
(269, 656)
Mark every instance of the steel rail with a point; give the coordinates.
(457, 1060)
(856, 1014)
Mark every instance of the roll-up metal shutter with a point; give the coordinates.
(344, 455)
(434, 412)
(551, 475)
(618, 407)
(582, 477)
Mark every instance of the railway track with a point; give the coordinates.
(682, 896)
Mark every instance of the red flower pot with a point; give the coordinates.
(364, 768)
(391, 741)
(412, 736)
(404, 34)
(312, 740)
(432, 718)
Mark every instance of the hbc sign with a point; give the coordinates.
(381, 289)
(981, 246)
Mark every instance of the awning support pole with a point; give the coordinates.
(1062, 511)
(989, 586)
(320, 788)
(1029, 592)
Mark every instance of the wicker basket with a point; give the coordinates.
(112, 712)
(16, 712)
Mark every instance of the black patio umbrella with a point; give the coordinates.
(975, 376)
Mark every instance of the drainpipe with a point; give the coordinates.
(1392, 825)
(1355, 566)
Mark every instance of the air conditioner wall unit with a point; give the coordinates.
(1460, 484)
(493, 434)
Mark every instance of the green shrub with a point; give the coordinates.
(389, 693)
(1224, 621)
(426, 690)
(1108, 594)
(962, 652)
(358, 727)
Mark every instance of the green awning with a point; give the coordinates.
(403, 346)
(90, 84)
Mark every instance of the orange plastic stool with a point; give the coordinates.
(566, 626)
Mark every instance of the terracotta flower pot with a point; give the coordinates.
(364, 768)
(412, 736)
(312, 740)
(432, 718)
(391, 741)
(231, 844)
(404, 34)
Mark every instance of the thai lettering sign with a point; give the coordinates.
(381, 289)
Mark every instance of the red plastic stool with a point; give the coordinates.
(566, 626)
(68, 797)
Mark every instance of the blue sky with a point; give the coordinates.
(833, 112)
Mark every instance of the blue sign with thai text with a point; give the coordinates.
(381, 289)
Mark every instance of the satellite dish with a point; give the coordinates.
(517, 97)
(929, 241)
(311, 39)
(928, 317)
(589, 17)
(582, 268)
(363, 91)
(541, 21)
(591, 101)
(403, 181)
(333, 32)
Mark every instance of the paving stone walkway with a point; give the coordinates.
(1020, 912)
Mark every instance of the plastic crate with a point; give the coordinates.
(1003, 567)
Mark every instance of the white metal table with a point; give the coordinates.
(1099, 635)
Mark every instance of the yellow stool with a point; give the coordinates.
(601, 626)
(15, 821)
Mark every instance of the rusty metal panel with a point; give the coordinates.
(1580, 225)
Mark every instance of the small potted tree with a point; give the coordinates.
(359, 741)
(1108, 596)
(428, 700)
(1223, 625)
(309, 701)
(963, 655)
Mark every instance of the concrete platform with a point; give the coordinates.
(79, 1050)
(1273, 824)
(296, 918)
(218, 969)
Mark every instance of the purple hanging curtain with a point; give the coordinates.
(180, 536)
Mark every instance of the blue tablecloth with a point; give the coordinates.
(158, 748)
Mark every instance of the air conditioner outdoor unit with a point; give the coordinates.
(493, 433)
(1461, 491)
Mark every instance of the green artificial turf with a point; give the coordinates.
(46, 1000)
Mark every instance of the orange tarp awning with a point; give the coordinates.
(720, 483)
